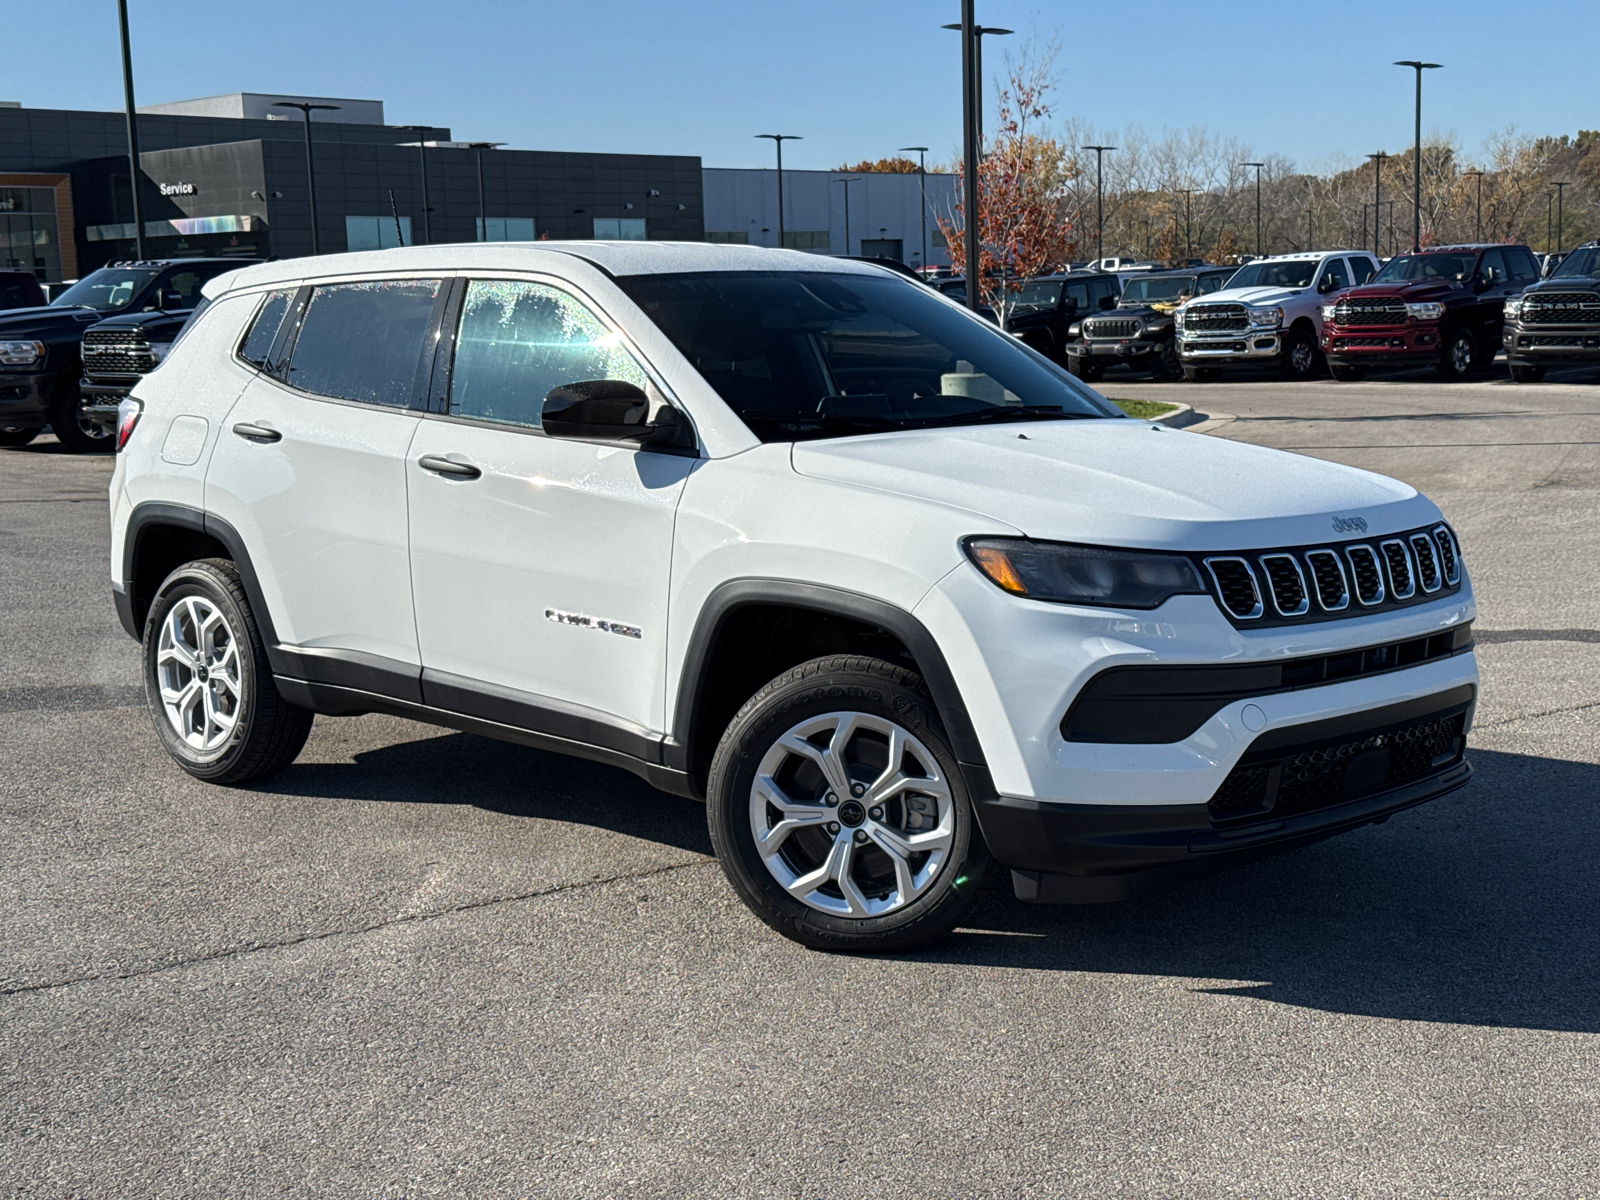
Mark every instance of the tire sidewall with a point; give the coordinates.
(790, 701)
(1447, 364)
(202, 579)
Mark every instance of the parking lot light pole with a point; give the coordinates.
(778, 139)
(970, 216)
(1561, 187)
(922, 175)
(1188, 244)
(311, 171)
(1099, 200)
(133, 130)
(1311, 237)
(847, 182)
(422, 163)
(1549, 213)
(1377, 198)
(1479, 234)
(979, 32)
(1416, 172)
(483, 213)
(1258, 167)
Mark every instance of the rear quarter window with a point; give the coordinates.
(264, 328)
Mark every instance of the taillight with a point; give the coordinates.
(127, 417)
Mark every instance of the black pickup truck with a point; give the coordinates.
(1139, 333)
(1556, 322)
(41, 365)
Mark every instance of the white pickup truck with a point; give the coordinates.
(1269, 316)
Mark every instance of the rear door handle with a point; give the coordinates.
(257, 433)
(440, 465)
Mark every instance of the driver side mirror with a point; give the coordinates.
(1327, 284)
(612, 410)
(168, 301)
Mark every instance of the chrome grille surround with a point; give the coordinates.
(1397, 562)
(1364, 566)
(1449, 554)
(1327, 576)
(1215, 318)
(1426, 555)
(1361, 311)
(1287, 584)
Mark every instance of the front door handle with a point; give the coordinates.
(440, 465)
(257, 433)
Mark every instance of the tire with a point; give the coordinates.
(1300, 356)
(1348, 374)
(1079, 366)
(1459, 351)
(18, 437)
(201, 632)
(1202, 374)
(72, 429)
(1527, 373)
(818, 883)
(1169, 367)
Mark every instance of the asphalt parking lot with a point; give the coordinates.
(419, 963)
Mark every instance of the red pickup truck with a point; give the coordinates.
(1442, 306)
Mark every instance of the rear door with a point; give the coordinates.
(310, 471)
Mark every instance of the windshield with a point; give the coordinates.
(1037, 295)
(805, 354)
(1294, 274)
(1161, 288)
(109, 289)
(1579, 262)
(1408, 267)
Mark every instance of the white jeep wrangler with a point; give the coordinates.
(894, 594)
(1269, 316)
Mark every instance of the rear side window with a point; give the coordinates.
(264, 329)
(1363, 268)
(364, 341)
(1521, 263)
(519, 340)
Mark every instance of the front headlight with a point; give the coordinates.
(1177, 318)
(1084, 574)
(1267, 317)
(1425, 312)
(21, 354)
(1514, 307)
(1328, 311)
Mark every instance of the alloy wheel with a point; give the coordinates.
(198, 673)
(1461, 353)
(852, 815)
(1302, 356)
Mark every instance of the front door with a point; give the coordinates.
(540, 565)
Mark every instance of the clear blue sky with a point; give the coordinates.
(857, 77)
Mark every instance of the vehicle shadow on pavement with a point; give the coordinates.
(461, 768)
(1476, 909)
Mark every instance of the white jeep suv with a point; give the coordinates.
(894, 594)
(1268, 316)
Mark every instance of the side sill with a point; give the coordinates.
(333, 700)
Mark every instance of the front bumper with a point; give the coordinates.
(1358, 344)
(1549, 344)
(1246, 348)
(25, 398)
(1111, 351)
(101, 398)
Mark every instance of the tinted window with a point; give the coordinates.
(1037, 295)
(1109, 286)
(109, 289)
(1289, 273)
(1335, 273)
(1362, 269)
(1078, 294)
(807, 354)
(363, 341)
(1409, 267)
(519, 340)
(1212, 283)
(1493, 267)
(264, 329)
(1145, 289)
(1523, 267)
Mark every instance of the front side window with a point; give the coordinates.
(1334, 276)
(1078, 296)
(1362, 269)
(186, 285)
(518, 340)
(264, 329)
(1409, 268)
(806, 354)
(1037, 296)
(1493, 267)
(364, 341)
(110, 289)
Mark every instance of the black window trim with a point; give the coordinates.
(248, 328)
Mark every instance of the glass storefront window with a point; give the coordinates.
(610, 229)
(375, 233)
(507, 229)
(28, 235)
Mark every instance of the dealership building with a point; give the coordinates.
(227, 175)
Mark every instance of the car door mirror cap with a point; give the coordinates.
(615, 411)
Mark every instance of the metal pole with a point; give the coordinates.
(1258, 167)
(483, 213)
(1099, 199)
(969, 148)
(1311, 238)
(394, 211)
(1377, 199)
(778, 140)
(1479, 223)
(1561, 195)
(427, 219)
(133, 130)
(1416, 180)
(922, 172)
(847, 183)
(311, 183)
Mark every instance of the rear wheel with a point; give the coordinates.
(1202, 374)
(839, 813)
(1526, 373)
(1348, 374)
(1084, 369)
(1459, 351)
(72, 428)
(1300, 355)
(17, 437)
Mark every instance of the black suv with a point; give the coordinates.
(40, 348)
(1139, 332)
(1556, 320)
(1046, 312)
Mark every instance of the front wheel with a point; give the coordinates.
(1459, 352)
(207, 681)
(1169, 367)
(1348, 374)
(1300, 356)
(839, 813)
(1526, 373)
(73, 429)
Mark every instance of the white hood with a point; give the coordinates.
(1253, 295)
(1122, 483)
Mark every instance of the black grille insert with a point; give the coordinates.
(1422, 546)
(1366, 573)
(1401, 585)
(1236, 585)
(1448, 562)
(1328, 575)
(1370, 312)
(1561, 308)
(1288, 587)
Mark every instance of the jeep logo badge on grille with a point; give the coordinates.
(1349, 524)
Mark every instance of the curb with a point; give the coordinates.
(1180, 418)
(1210, 422)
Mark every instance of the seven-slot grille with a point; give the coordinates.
(1369, 312)
(1215, 318)
(1561, 308)
(116, 352)
(1320, 582)
(1112, 327)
